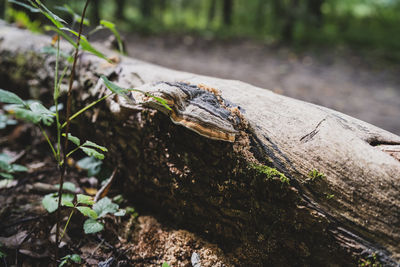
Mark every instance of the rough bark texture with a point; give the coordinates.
(300, 185)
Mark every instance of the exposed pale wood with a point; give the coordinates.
(356, 207)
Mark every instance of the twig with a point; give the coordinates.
(69, 100)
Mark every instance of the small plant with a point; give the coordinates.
(72, 258)
(7, 169)
(315, 175)
(37, 113)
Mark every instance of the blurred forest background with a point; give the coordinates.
(372, 24)
(343, 54)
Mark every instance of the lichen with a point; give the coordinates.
(270, 173)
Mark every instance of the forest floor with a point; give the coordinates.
(358, 84)
(27, 230)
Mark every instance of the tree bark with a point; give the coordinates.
(284, 182)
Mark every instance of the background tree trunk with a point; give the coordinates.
(300, 185)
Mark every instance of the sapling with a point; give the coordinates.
(35, 112)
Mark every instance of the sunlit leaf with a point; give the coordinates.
(86, 46)
(92, 152)
(11, 98)
(113, 29)
(30, 8)
(73, 139)
(88, 212)
(56, 20)
(50, 202)
(84, 199)
(113, 87)
(120, 212)
(44, 115)
(92, 226)
(91, 144)
(105, 206)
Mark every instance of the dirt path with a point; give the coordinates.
(339, 80)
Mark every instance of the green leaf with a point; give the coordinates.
(56, 20)
(91, 144)
(76, 258)
(85, 44)
(4, 157)
(63, 263)
(45, 115)
(68, 203)
(68, 186)
(112, 28)
(73, 139)
(31, 9)
(19, 168)
(120, 212)
(165, 264)
(92, 153)
(2, 254)
(66, 199)
(92, 226)
(77, 17)
(11, 98)
(84, 199)
(5, 166)
(50, 202)
(88, 212)
(60, 32)
(113, 87)
(91, 164)
(105, 206)
(6, 175)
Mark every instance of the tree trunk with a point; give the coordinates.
(119, 11)
(227, 12)
(270, 179)
(95, 12)
(146, 8)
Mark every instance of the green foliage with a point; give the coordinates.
(10, 98)
(315, 175)
(91, 164)
(92, 226)
(87, 147)
(22, 19)
(7, 169)
(111, 26)
(165, 264)
(73, 258)
(2, 254)
(5, 120)
(122, 92)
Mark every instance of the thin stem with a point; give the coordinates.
(71, 152)
(66, 225)
(69, 99)
(48, 141)
(56, 93)
(85, 108)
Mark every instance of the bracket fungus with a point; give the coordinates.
(196, 107)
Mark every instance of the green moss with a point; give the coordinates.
(270, 173)
(315, 175)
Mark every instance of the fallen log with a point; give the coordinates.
(270, 179)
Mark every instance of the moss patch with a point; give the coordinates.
(270, 173)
